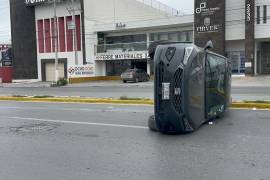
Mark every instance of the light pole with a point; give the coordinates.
(55, 43)
(74, 33)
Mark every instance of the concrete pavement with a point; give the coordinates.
(247, 88)
(78, 141)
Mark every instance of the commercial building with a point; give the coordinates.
(110, 36)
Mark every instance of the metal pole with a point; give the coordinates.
(74, 33)
(55, 43)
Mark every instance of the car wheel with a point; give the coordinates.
(152, 123)
(124, 81)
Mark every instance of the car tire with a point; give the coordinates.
(124, 81)
(152, 123)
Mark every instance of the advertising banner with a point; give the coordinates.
(209, 23)
(249, 35)
(81, 71)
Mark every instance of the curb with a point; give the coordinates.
(246, 105)
(77, 100)
(251, 105)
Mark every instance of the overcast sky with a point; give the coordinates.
(186, 6)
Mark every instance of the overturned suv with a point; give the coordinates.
(192, 86)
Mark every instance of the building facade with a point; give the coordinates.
(105, 37)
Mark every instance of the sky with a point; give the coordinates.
(185, 6)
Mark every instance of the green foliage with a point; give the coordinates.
(62, 82)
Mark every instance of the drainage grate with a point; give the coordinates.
(178, 90)
(160, 82)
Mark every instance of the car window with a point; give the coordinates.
(129, 71)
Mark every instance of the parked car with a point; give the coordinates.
(134, 75)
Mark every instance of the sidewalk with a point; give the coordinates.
(27, 83)
(248, 81)
(237, 81)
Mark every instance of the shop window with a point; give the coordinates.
(47, 29)
(173, 36)
(258, 14)
(176, 36)
(40, 36)
(237, 61)
(62, 34)
(78, 31)
(264, 14)
(52, 35)
(69, 34)
(182, 37)
(163, 36)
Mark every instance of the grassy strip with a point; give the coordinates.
(125, 100)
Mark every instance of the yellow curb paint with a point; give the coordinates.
(235, 105)
(96, 78)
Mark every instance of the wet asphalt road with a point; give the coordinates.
(41, 141)
(129, 90)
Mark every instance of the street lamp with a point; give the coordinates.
(55, 43)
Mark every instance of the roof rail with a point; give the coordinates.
(162, 7)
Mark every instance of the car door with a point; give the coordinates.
(215, 86)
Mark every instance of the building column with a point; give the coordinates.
(148, 67)
(148, 39)
(249, 37)
(256, 59)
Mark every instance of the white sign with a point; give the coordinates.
(32, 2)
(248, 12)
(205, 11)
(71, 25)
(248, 64)
(81, 71)
(122, 56)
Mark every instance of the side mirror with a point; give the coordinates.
(209, 45)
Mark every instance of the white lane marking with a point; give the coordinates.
(109, 109)
(76, 122)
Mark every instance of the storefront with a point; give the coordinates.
(116, 63)
(113, 38)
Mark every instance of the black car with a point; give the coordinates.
(192, 86)
(134, 75)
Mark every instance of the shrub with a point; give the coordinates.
(62, 82)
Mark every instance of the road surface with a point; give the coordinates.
(81, 141)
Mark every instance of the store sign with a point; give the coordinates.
(207, 27)
(207, 13)
(248, 64)
(209, 23)
(120, 25)
(34, 2)
(81, 71)
(38, 2)
(122, 56)
(248, 12)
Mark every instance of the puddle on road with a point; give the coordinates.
(34, 128)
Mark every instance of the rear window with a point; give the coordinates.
(129, 70)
